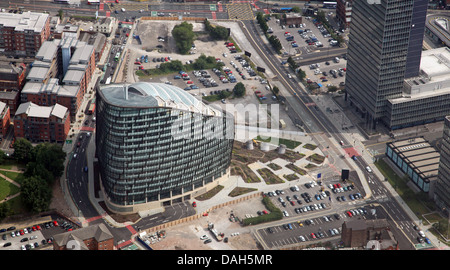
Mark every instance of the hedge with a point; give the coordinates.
(275, 214)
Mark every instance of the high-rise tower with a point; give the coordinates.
(384, 48)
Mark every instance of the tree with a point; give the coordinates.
(216, 32)
(36, 194)
(296, 9)
(22, 150)
(276, 44)
(5, 210)
(239, 89)
(332, 88)
(2, 156)
(301, 75)
(275, 90)
(292, 63)
(61, 14)
(184, 37)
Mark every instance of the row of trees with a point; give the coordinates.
(273, 40)
(217, 32)
(301, 75)
(44, 164)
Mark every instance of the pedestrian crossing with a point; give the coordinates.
(240, 11)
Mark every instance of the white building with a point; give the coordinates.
(426, 98)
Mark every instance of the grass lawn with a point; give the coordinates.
(310, 146)
(241, 190)
(291, 177)
(269, 177)
(209, 194)
(296, 169)
(414, 201)
(316, 158)
(17, 177)
(7, 189)
(274, 166)
(289, 143)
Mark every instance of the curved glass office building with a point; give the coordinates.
(157, 144)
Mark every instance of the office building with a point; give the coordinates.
(425, 98)
(23, 34)
(157, 144)
(442, 192)
(385, 45)
(417, 159)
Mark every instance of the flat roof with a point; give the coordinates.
(439, 25)
(27, 21)
(419, 154)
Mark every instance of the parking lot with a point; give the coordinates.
(313, 211)
(303, 38)
(325, 226)
(326, 74)
(37, 236)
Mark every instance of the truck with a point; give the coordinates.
(218, 236)
(282, 124)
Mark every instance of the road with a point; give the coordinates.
(325, 131)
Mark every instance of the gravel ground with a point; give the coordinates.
(186, 236)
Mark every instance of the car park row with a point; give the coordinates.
(30, 233)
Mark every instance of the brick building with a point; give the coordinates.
(96, 237)
(291, 19)
(61, 74)
(12, 99)
(5, 120)
(360, 233)
(344, 12)
(42, 123)
(23, 34)
(12, 76)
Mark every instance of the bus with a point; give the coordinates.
(91, 108)
(93, 2)
(330, 5)
(61, 1)
(286, 9)
(116, 58)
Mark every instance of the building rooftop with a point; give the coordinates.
(419, 154)
(440, 26)
(27, 21)
(33, 110)
(51, 86)
(144, 94)
(98, 232)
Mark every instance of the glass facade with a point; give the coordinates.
(153, 153)
(443, 182)
(379, 49)
(408, 168)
